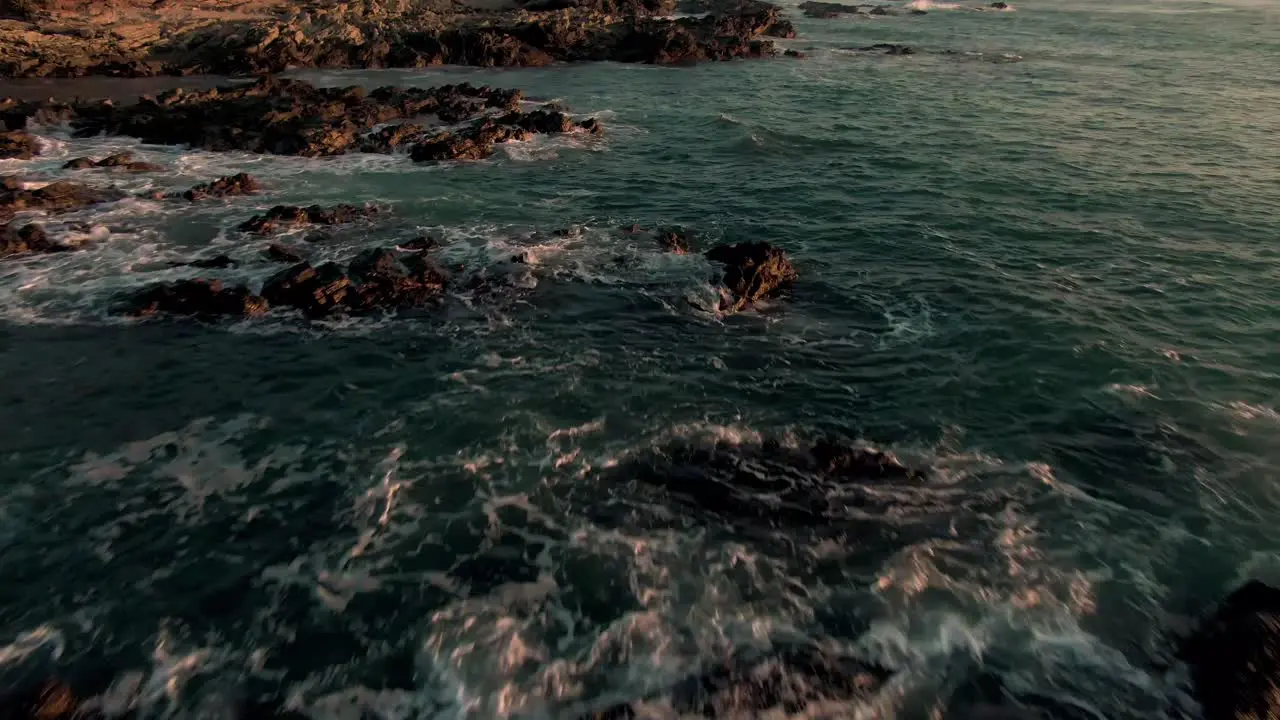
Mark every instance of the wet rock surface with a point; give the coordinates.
(886, 49)
(26, 239)
(230, 186)
(753, 271)
(54, 197)
(287, 217)
(767, 483)
(478, 140)
(1234, 655)
(18, 145)
(122, 161)
(199, 298)
(783, 681)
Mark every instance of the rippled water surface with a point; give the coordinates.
(1038, 259)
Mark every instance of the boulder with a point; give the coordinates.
(887, 49)
(1000, 6)
(232, 185)
(199, 298)
(752, 271)
(794, 54)
(285, 217)
(678, 242)
(283, 253)
(18, 145)
(827, 10)
(26, 239)
(1234, 656)
(385, 279)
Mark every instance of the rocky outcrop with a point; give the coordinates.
(378, 279)
(675, 240)
(276, 252)
(752, 271)
(230, 186)
(54, 197)
(270, 36)
(282, 117)
(18, 145)
(207, 299)
(1234, 656)
(827, 10)
(783, 681)
(286, 217)
(122, 161)
(25, 240)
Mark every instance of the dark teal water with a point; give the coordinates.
(1037, 257)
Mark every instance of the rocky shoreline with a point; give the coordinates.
(63, 38)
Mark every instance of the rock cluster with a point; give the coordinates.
(378, 279)
(269, 36)
(287, 217)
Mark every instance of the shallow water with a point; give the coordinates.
(1041, 266)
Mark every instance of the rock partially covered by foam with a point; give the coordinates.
(766, 482)
(1234, 656)
(785, 680)
(753, 271)
(18, 145)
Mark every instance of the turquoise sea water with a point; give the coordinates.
(1037, 258)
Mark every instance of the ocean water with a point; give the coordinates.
(1037, 259)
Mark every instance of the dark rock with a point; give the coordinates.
(422, 243)
(197, 298)
(1234, 656)
(284, 217)
(887, 49)
(123, 161)
(27, 239)
(794, 54)
(755, 683)
(284, 253)
(284, 117)
(827, 10)
(999, 6)
(675, 241)
(54, 197)
(217, 261)
(385, 279)
(766, 484)
(233, 185)
(18, 145)
(315, 291)
(883, 10)
(632, 229)
(918, 11)
(752, 271)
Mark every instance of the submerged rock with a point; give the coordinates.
(1234, 656)
(232, 185)
(477, 141)
(752, 271)
(18, 145)
(197, 298)
(215, 262)
(676, 241)
(765, 483)
(828, 10)
(285, 217)
(795, 54)
(754, 683)
(886, 49)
